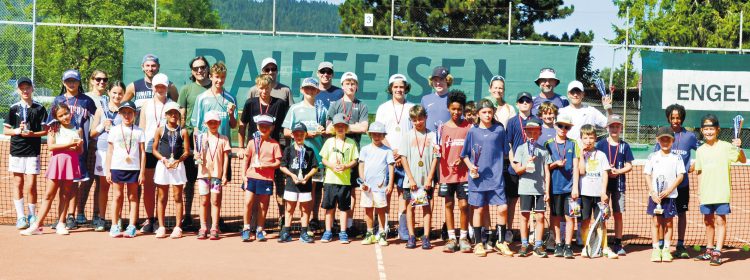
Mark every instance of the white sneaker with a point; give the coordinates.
(161, 232)
(61, 230)
(609, 254)
(32, 231)
(176, 233)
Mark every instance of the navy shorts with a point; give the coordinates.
(590, 207)
(259, 187)
(683, 199)
(718, 209)
(534, 203)
(486, 198)
(669, 205)
(560, 206)
(125, 176)
(337, 195)
(398, 176)
(459, 190)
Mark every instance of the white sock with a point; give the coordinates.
(656, 245)
(246, 227)
(464, 233)
(32, 209)
(451, 234)
(370, 230)
(19, 208)
(349, 222)
(666, 243)
(259, 229)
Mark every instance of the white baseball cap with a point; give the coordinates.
(575, 85)
(160, 79)
(396, 77)
(266, 61)
(349, 76)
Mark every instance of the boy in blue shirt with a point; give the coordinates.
(376, 164)
(564, 154)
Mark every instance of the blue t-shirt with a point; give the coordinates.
(489, 144)
(621, 154)
(515, 134)
(376, 160)
(437, 110)
(559, 101)
(562, 177)
(547, 133)
(684, 141)
(82, 109)
(325, 97)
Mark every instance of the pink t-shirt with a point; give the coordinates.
(213, 150)
(451, 143)
(269, 152)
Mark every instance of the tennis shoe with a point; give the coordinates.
(568, 252)
(176, 233)
(426, 245)
(666, 255)
(130, 231)
(327, 237)
(382, 239)
(504, 249)
(464, 245)
(369, 239)
(715, 258)
(81, 219)
(261, 236)
(451, 246)
(619, 249)
(706, 256)
(509, 235)
(607, 252)
(70, 222)
(22, 223)
(285, 237)
(202, 234)
(214, 235)
(412, 242)
(559, 250)
(32, 231)
(99, 224)
(524, 252)
(343, 237)
(540, 252)
(147, 226)
(306, 238)
(161, 232)
(61, 229)
(245, 235)
(681, 253)
(655, 255)
(479, 250)
(114, 231)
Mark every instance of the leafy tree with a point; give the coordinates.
(291, 15)
(483, 19)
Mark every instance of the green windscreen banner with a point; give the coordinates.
(373, 60)
(704, 83)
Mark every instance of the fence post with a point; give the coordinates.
(625, 85)
(33, 38)
(742, 13)
(510, 19)
(273, 18)
(155, 15)
(393, 9)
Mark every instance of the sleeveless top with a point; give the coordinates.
(143, 92)
(167, 136)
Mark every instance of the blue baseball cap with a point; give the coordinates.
(150, 57)
(299, 127)
(22, 80)
(71, 74)
(309, 82)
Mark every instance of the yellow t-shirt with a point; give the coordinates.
(714, 162)
(337, 151)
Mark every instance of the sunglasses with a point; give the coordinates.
(99, 80)
(198, 68)
(565, 127)
(524, 100)
(326, 71)
(270, 69)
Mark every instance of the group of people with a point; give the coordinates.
(149, 138)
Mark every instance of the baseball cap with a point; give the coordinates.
(171, 106)
(212, 116)
(126, 104)
(23, 80)
(564, 119)
(299, 127)
(575, 84)
(524, 94)
(325, 64)
(397, 77)
(547, 73)
(309, 82)
(339, 119)
(71, 74)
(263, 119)
(150, 57)
(349, 76)
(376, 127)
(533, 123)
(160, 79)
(709, 120)
(614, 118)
(266, 61)
(664, 131)
(440, 71)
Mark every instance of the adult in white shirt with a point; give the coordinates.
(581, 114)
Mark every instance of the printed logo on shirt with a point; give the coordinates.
(455, 142)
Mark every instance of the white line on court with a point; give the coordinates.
(380, 263)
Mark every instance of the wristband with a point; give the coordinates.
(607, 106)
(17, 131)
(100, 128)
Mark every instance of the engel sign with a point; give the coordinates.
(706, 90)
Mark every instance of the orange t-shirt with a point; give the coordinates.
(451, 143)
(269, 152)
(213, 150)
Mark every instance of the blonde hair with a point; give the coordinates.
(219, 68)
(588, 130)
(448, 80)
(547, 107)
(417, 111)
(263, 81)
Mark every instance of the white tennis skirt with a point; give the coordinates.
(164, 176)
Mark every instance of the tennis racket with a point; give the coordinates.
(599, 83)
(738, 120)
(593, 246)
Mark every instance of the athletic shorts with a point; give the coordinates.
(407, 193)
(486, 198)
(511, 185)
(398, 176)
(560, 206)
(25, 165)
(208, 185)
(589, 206)
(336, 195)
(459, 190)
(667, 204)
(718, 209)
(297, 196)
(279, 182)
(371, 199)
(682, 200)
(617, 198)
(532, 203)
(259, 187)
(151, 161)
(125, 176)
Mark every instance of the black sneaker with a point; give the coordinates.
(147, 226)
(539, 252)
(559, 250)
(568, 252)
(681, 253)
(706, 256)
(715, 258)
(524, 251)
(314, 225)
(70, 222)
(412, 242)
(187, 223)
(426, 245)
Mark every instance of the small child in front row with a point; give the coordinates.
(171, 147)
(262, 158)
(531, 163)
(470, 112)
(212, 173)
(299, 165)
(594, 171)
(64, 141)
(713, 162)
(376, 164)
(125, 171)
(24, 125)
(339, 154)
(664, 172)
(619, 157)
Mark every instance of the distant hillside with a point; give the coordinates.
(291, 15)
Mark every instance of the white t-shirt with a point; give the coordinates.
(392, 116)
(596, 165)
(582, 116)
(504, 113)
(664, 170)
(155, 117)
(120, 147)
